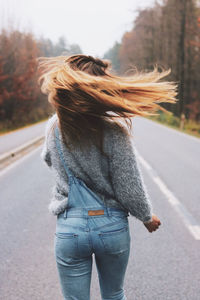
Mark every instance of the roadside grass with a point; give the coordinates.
(190, 126)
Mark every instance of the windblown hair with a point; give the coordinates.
(85, 94)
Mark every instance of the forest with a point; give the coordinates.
(166, 35)
(21, 101)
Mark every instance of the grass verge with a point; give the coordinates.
(190, 126)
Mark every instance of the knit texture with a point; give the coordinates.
(117, 180)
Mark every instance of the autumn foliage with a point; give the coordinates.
(21, 101)
(167, 35)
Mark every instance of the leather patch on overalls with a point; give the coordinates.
(96, 212)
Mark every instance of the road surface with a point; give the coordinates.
(17, 138)
(163, 265)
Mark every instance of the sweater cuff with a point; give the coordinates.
(148, 219)
(57, 206)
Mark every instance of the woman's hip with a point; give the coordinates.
(78, 236)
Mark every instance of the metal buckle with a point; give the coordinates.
(96, 212)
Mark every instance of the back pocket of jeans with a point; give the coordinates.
(66, 245)
(117, 240)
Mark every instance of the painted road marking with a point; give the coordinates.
(20, 160)
(187, 218)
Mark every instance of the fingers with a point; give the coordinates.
(154, 227)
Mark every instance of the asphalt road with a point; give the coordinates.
(163, 265)
(17, 138)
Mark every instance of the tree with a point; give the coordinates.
(168, 35)
(113, 55)
(21, 100)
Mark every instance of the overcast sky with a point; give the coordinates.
(93, 24)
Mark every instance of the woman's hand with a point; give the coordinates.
(153, 225)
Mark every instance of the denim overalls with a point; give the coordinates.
(87, 226)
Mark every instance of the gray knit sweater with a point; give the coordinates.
(118, 178)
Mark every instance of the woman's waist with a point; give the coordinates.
(109, 200)
(93, 211)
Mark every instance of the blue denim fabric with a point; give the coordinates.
(79, 235)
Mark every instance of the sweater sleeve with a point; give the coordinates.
(59, 199)
(45, 153)
(126, 177)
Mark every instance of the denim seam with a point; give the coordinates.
(114, 231)
(107, 225)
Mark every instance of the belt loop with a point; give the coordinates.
(106, 207)
(108, 212)
(65, 213)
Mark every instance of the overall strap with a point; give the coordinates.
(69, 173)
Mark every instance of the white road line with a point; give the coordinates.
(19, 149)
(189, 221)
(19, 161)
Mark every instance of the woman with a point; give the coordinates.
(98, 180)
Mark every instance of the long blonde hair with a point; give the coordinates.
(85, 93)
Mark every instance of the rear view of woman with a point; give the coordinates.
(98, 183)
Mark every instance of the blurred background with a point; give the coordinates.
(129, 33)
(164, 265)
